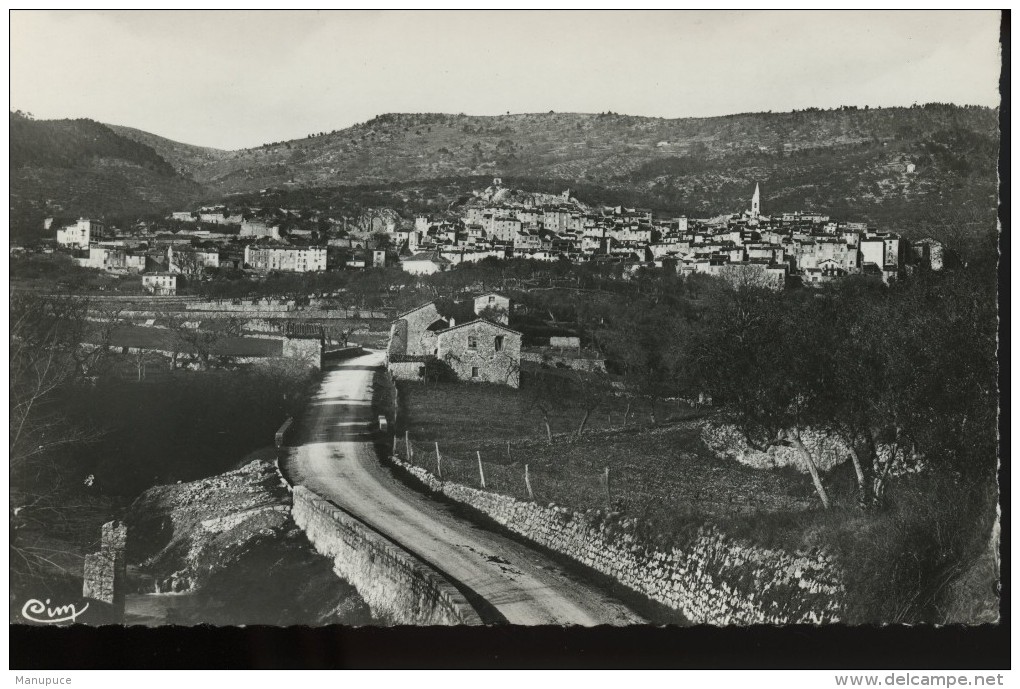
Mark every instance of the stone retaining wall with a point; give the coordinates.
(405, 370)
(714, 580)
(396, 585)
(554, 360)
(336, 315)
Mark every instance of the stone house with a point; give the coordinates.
(113, 260)
(478, 350)
(258, 228)
(496, 302)
(424, 264)
(413, 333)
(929, 253)
(482, 351)
(81, 234)
(160, 283)
(294, 259)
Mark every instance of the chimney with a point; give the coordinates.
(453, 322)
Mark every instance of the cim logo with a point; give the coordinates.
(37, 611)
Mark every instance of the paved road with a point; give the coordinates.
(505, 580)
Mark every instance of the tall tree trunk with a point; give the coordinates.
(878, 484)
(812, 467)
(548, 430)
(859, 470)
(584, 421)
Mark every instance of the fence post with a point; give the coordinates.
(407, 446)
(439, 462)
(609, 500)
(394, 452)
(509, 456)
(527, 483)
(481, 471)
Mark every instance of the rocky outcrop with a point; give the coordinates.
(230, 541)
(727, 441)
(184, 532)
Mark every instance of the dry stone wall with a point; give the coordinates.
(714, 580)
(405, 370)
(396, 585)
(555, 360)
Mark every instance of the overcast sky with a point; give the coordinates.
(236, 79)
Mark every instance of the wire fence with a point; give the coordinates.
(512, 469)
(672, 494)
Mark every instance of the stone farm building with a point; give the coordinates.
(496, 303)
(413, 334)
(482, 351)
(477, 350)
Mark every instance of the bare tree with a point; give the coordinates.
(234, 326)
(53, 348)
(188, 339)
(547, 394)
(590, 391)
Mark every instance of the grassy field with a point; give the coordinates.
(896, 562)
(661, 473)
(464, 415)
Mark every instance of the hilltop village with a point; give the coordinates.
(749, 247)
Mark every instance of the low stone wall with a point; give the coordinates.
(281, 434)
(405, 370)
(555, 360)
(715, 580)
(395, 584)
(336, 315)
(264, 306)
(342, 353)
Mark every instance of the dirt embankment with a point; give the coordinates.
(224, 550)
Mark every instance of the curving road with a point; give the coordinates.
(505, 580)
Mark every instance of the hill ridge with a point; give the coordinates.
(852, 162)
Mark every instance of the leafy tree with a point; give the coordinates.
(762, 363)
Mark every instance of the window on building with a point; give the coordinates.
(474, 371)
(472, 342)
(492, 300)
(498, 343)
